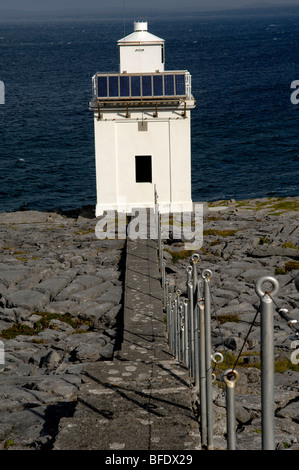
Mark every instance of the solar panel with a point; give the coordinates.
(102, 87)
(135, 85)
(147, 85)
(180, 84)
(139, 86)
(124, 86)
(158, 85)
(113, 87)
(168, 85)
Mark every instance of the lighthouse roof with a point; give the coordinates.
(140, 35)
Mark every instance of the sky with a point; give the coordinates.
(140, 5)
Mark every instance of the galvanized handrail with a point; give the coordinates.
(189, 338)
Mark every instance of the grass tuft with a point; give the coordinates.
(44, 322)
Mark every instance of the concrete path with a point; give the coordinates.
(142, 399)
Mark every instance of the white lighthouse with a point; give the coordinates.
(142, 129)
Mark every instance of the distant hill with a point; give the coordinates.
(107, 11)
(269, 5)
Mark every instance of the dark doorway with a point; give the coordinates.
(143, 165)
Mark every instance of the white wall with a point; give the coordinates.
(154, 142)
(106, 158)
(141, 58)
(180, 149)
(118, 141)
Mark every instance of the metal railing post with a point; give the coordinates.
(163, 278)
(195, 258)
(186, 333)
(180, 331)
(166, 293)
(161, 258)
(206, 274)
(189, 270)
(169, 321)
(158, 231)
(202, 372)
(196, 345)
(175, 323)
(230, 377)
(178, 323)
(199, 290)
(191, 317)
(197, 332)
(267, 360)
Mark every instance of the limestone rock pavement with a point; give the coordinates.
(77, 353)
(61, 293)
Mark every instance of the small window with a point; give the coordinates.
(143, 166)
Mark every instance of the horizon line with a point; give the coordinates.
(75, 11)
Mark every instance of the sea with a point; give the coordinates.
(244, 129)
